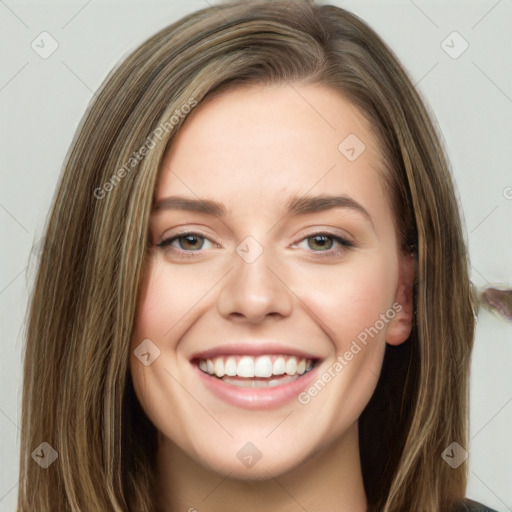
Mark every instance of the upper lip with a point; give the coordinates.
(252, 348)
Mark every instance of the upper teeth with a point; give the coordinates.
(260, 366)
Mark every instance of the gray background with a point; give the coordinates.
(42, 101)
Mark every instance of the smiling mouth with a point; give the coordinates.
(264, 371)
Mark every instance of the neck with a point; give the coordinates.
(330, 480)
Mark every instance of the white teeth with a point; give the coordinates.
(260, 367)
(253, 383)
(291, 366)
(279, 366)
(218, 367)
(245, 367)
(263, 367)
(229, 366)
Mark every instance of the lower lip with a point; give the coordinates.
(257, 398)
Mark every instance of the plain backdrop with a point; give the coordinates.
(469, 90)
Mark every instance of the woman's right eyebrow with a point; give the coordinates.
(298, 205)
(185, 203)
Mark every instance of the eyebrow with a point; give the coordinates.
(295, 206)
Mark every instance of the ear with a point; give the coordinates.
(399, 328)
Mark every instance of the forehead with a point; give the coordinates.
(265, 143)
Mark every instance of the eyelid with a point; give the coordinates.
(177, 232)
(168, 239)
(318, 231)
(344, 242)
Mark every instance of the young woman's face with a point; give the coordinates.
(273, 283)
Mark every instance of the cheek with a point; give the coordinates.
(168, 294)
(351, 304)
(161, 307)
(351, 298)
(348, 305)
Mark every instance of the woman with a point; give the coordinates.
(243, 296)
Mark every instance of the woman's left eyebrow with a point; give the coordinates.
(298, 205)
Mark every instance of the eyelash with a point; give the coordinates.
(330, 253)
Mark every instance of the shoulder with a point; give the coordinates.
(472, 506)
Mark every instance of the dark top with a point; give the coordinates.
(473, 506)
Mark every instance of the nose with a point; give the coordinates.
(254, 291)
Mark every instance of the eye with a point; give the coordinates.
(325, 243)
(186, 242)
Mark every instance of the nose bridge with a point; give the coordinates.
(253, 291)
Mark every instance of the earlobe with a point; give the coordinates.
(399, 329)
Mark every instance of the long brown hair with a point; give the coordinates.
(77, 393)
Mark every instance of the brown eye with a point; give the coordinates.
(190, 242)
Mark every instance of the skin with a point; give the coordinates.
(252, 149)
